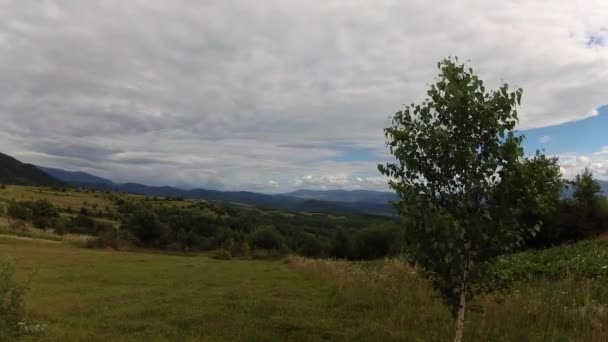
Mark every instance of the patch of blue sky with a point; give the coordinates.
(598, 39)
(584, 136)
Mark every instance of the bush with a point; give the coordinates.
(221, 254)
(147, 228)
(311, 247)
(376, 242)
(18, 211)
(570, 223)
(266, 238)
(60, 228)
(44, 214)
(585, 259)
(241, 250)
(341, 245)
(41, 213)
(115, 239)
(83, 224)
(12, 303)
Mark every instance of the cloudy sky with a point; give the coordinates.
(275, 95)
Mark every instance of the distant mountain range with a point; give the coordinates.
(306, 200)
(335, 201)
(346, 196)
(74, 176)
(13, 171)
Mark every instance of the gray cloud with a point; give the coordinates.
(240, 93)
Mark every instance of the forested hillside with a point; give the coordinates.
(13, 171)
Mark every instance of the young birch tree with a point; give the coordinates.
(463, 181)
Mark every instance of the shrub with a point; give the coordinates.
(83, 224)
(186, 240)
(376, 242)
(147, 228)
(44, 214)
(341, 245)
(221, 254)
(311, 247)
(19, 211)
(60, 227)
(266, 238)
(12, 303)
(115, 239)
(570, 222)
(241, 249)
(585, 259)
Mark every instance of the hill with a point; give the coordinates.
(13, 171)
(264, 201)
(335, 201)
(352, 196)
(74, 176)
(604, 185)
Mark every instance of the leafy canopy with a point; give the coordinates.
(587, 191)
(462, 178)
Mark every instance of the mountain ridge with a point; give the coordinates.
(73, 176)
(348, 196)
(305, 201)
(328, 201)
(13, 171)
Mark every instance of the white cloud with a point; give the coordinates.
(376, 182)
(573, 164)
(544, 139)
(343, 181)
(325, 181)
(173, 92)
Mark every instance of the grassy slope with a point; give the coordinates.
(100, 295)
(63, 200)
(110, 296)
(97, 295)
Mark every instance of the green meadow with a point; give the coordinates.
(83, 294)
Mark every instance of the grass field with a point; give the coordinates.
(63, 200)
(92, 295)
(84, 294)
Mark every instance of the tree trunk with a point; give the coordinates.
(463, 305)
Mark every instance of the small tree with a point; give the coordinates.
(463, 181)
(587, 198)
(18, 211)
(145, 225)
(266, 237)
(44, 214)
(311, 247)
(587, 191)
(377, 241)
(341, 244)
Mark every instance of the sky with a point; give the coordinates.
(276, 95)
